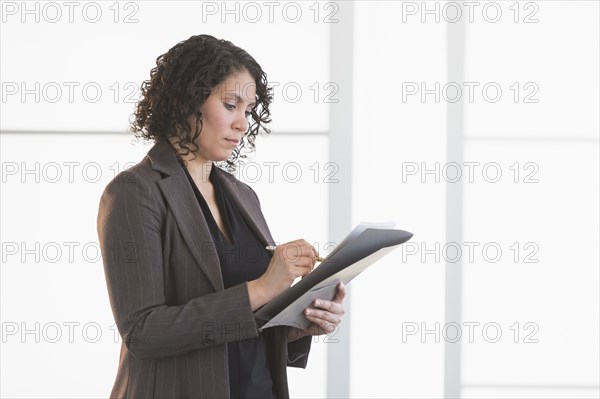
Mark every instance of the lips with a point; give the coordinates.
(233, 141)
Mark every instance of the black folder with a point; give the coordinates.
(361, 248)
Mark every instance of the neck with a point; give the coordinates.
(198, 166)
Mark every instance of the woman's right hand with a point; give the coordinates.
(290, 260)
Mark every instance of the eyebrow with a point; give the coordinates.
(239, 99)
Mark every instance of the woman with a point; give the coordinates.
(183, 241)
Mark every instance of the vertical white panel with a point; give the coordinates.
(541, 291)
(293, 190)
(532, 275)
(544, 57)
(392, 137)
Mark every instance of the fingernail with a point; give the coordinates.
(317, 303)
(307, 311)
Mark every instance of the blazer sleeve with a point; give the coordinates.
(129, 230)
(297, 352)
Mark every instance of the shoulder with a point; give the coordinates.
(158, 163)
(136, 174)
(135, 185)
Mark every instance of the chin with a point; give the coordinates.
(223, 157)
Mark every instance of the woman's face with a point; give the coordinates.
(225, 116)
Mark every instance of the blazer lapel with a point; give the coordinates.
(187, 212)
(248, 206)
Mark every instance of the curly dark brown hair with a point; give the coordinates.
(180, 83)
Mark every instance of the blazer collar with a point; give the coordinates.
(163, 159)
(189, 217)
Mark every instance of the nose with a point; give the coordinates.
(241, 123)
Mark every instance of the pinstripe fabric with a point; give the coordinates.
(165, 286)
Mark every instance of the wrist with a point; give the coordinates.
(257, 294)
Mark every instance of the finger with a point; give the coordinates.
(314, 250)
(323, 315)
(311, 252)
(324, 325)
(296, 251)
(308, 250)
(340, 294)
(310, 260)
(305, 261)
(300, 271)
(330, 306)
(291, 251)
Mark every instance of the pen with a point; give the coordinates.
(271, 248)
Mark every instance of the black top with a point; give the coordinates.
(242, 260)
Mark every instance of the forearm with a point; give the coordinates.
(204, 321)
(257, 294)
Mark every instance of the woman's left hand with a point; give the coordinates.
(324, 315)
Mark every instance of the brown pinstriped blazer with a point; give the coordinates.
(166, 290)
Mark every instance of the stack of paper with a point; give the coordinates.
(365, 244)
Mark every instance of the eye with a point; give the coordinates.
(248, 113)
(229, 106)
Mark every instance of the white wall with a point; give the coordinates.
(555, 219)
(550, 208)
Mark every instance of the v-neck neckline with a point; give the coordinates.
(220, 202)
